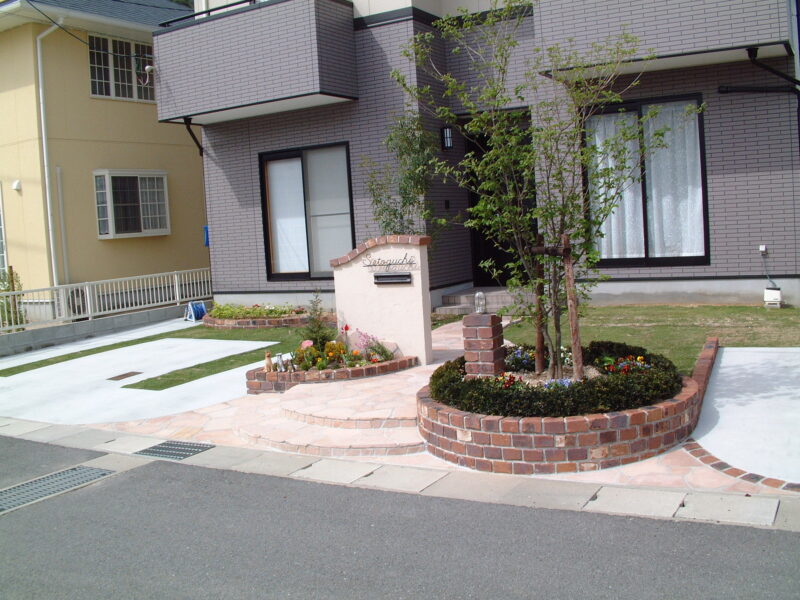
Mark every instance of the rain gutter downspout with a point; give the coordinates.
(48, 192)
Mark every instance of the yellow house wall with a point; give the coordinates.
(20, 158)
(88, 133)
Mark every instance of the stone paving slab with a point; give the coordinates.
(19, 428)
(727, 508)
(788, 517)
(52, 433)
(562, 495)
(335, 471)
(128, 444)
(87, 438)
(118, 462)
(222, 457)
(400, 479)
(275, 463)
(636, 502)
(480, 487)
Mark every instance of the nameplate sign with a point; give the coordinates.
(404, 263)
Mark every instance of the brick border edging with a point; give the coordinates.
(542, 445)
(266, 323)
(383, 240)
(260, 381)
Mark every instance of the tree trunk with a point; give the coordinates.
(572, 307)
(539, 291)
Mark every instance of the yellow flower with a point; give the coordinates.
(330, 354)
(640, 359)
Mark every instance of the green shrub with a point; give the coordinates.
(238, 311)
(611, 392)
(317, 330)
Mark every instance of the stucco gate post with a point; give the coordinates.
(382, 289)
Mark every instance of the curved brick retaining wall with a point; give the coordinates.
(260, 381)
(293, 321)
(528, 445)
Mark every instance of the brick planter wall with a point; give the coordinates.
(260, 381)
(528, 445)
(293, 321)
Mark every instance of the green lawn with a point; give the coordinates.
(288, 339)
(678, 332)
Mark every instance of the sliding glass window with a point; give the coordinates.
(307, 208)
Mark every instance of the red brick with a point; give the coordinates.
(637, 417)
(544, 468)
(491, 423)
(638, 445)
(654, 414)
(588, 439)
(597, 421)
(620, 449)
(458, 447)
(469, 333)
(627, 434)
(512, 454)
(617, 420)
(480, 437)
(734, 472)
(501, 466)
(774, 483)
(626, 460)
(456, 420)
(531, 425)
(483, 465)
(473, 450)
(492, 452)
(533, 455)
(543, 441)
(522, 441)
(577, 454)
(481, 320)
(498, 354)
(472, 422)
(613, 462)
(606, 437)
(509, 425)
(576, 424)
(566, 467)
(553, 425)
(493, 332)
(449, 432)
(522, 468)
(501, 439)
(555, 454)
(654, 442)
(470, 344)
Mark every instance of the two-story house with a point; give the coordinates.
(293, 95)
(92, 186)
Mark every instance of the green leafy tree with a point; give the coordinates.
(536, 174)
(398, 190)
(317, 329)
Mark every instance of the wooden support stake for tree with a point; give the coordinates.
(572, 308)
(539, 291)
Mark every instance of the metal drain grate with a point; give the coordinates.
(49, 485)
(124, 376)
(175, 450)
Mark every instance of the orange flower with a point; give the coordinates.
(356, 352)
(330, 354)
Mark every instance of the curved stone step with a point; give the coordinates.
(351, 412)
(290, 435)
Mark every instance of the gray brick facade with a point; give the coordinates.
(751, 139)
(254, 55)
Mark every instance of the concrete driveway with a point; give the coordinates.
(751, 412)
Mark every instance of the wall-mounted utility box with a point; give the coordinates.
(772, 297)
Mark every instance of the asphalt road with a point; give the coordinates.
(167, 530)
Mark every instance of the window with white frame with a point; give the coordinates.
(131, 203)
(308, 217)
(117, 69)
(660, 219)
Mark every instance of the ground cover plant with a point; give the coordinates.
(629, 377)
(678, 332)
(256, 311)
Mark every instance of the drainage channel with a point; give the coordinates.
(48, 486)
(175, 450)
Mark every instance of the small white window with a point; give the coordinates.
(117, 69)
(131, 203)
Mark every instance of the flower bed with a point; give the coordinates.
(237, 316)
(260, 381)
(560, 444)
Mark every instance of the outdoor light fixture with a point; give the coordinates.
(480, 303)
(447, 138)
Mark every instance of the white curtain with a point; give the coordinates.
(328, 207)
(674, 193)
(623, 230)
(287, 216)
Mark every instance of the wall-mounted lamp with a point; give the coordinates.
(16, 185)
(447, 137)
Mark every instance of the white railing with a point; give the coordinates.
(59, 304)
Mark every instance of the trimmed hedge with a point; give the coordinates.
(611, 392)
